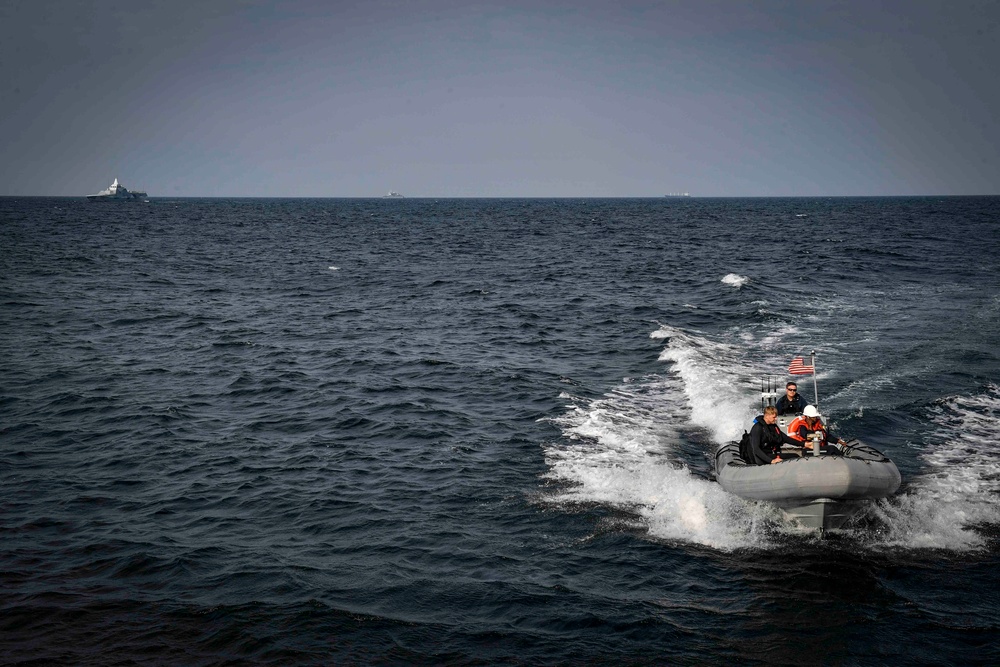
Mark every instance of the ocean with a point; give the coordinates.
(481, 431)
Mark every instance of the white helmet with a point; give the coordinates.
(811, 411)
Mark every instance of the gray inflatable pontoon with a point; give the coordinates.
(818, 492)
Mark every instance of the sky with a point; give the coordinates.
(500, 99)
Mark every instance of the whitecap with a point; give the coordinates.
(735, 280)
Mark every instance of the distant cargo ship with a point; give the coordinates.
(117, 191)
(392, 195)
(678, 194)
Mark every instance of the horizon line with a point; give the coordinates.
(672, 197)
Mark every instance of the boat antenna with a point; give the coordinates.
(768, 384)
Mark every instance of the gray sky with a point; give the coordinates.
(456, 99)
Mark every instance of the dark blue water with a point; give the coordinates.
(480, 432)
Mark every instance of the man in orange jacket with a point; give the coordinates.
(808, 423)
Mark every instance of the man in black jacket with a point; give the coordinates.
(792, 402)
(766, 438)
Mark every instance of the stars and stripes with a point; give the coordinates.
(799, 367)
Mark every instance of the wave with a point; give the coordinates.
(959, 490)
(735, 280)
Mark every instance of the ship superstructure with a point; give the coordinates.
(117, 191)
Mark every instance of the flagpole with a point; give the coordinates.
(812, 359)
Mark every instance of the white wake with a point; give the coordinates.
(960, 486)
(623, 450)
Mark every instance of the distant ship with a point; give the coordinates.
(678, 194)
(392, 195)
(117, 191)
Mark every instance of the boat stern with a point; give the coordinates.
(821, 514)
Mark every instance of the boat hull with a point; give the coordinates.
(117, 191)
(817, 492)
(821, 515)
(130, 195)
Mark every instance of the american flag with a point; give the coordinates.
(799, 367)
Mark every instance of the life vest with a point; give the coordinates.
(799, 422)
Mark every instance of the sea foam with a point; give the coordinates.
(621, 451)
(735, 280)
(959, 489)
(625, 448)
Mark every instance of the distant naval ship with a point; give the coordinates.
(392, 195)
(117, 191)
